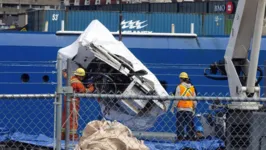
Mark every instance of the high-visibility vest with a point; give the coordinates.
(79, 87)
(184, 91)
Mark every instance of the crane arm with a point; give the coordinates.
(241, 73)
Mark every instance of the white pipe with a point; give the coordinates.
(26, 19)
(62, 25)
(173, 28)
(135, 34)
(192, 28)
(46, 26)
(254, 58)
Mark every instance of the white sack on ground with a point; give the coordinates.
(106, 135)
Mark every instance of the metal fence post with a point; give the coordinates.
(59, 104)
(68, 97)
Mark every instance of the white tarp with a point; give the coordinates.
(99, 35)
(105, 135)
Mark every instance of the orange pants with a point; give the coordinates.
(73, 119)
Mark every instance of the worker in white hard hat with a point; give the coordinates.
(185, 108)
(78, 87)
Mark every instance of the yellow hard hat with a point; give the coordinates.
(80, 72)
(183, 75)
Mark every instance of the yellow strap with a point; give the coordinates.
(72, 131)
(187, 90)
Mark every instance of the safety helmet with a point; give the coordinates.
(80, 72)
(183, 75)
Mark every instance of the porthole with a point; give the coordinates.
(45, 78)
(25, 77)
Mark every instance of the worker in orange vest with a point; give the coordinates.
(185, 108)
(78, 87)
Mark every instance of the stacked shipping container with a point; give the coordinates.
(209, 18)
(204, 24)
(184, 7)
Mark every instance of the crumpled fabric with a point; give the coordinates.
(106, 135)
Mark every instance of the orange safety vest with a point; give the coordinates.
(186, 92)
(78, 87)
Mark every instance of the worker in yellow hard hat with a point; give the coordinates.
(78, 87)
(185, 108)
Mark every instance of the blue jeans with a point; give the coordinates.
(184, 122)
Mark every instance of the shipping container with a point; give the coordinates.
(192, 7)
(204, 24)
(144, 7)
(214, 24)
(54, 18)
(164, 7)
(79, 20)
(183, 23)
(135, 22)
(183, 7)
(217, 7)
(160, 22)
(36, 20)
(228, 23)
(112, 7)
(88, 8)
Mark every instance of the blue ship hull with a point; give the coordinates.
(166, 57)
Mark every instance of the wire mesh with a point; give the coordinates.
(211, 125)
(27, 111)
(148, 107)
(26, 117)
(151, 117)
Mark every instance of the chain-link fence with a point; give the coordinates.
(207, 121)
(25, 118)
(211, 125)
(27, 102)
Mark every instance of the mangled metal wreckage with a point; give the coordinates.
(115, 70)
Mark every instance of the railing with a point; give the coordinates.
(172, 34)
(9, 10)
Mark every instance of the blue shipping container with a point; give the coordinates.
(214, 24)
(79, 20)
(135, 22)
(54, 18)
(36, 20)
(161, 22)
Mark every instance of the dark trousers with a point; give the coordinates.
(184, 120)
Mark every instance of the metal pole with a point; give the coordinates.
(68, 104)
(154, 135)
(59, 104)
(55, 112)
(252, 69)
(120, 21)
